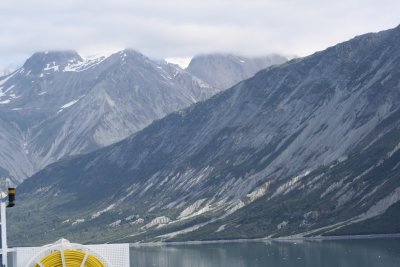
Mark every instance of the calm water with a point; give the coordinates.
(343, 253)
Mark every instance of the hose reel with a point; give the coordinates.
(65, 254)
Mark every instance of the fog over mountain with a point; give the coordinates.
(225, 70)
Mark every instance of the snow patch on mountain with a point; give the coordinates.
(131, 217)
(69, 104)
(192, 208)
(221, 228)
(395, 149)
(159, 221)
(290, 185)
(283, 224)
(258, 192)
(9, 88)
(86, 64)
(182, 62)
(138, 221)
(115, 224)
(78, 221)
(51, 67)
(333, 187)
(5, 90)
(184, 231)
(97, 214)
(6, 78)
(236, 206)
(381, 206)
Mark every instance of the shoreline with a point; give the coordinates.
(267, 239)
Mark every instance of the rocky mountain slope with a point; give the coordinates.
(225, 70)
(59, 104)
(308, 147)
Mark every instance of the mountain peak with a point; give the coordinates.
(41, 60)
(130, 53)
(223, 70)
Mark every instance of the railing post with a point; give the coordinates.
(4, 247)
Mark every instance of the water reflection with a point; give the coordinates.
(343, 253)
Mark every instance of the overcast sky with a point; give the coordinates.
(183, 28)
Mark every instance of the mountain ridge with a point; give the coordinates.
(51, 85)
(59, 104)
(225, 70)
(224, 168)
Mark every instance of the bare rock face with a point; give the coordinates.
(307, 147)
(59, 104)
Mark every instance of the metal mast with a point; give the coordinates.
(4, 248)
(3, 223)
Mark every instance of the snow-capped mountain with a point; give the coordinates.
(225, 70)
(307, 147)
(59, 104)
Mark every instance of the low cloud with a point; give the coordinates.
(172, 28)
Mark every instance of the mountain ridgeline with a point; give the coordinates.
(225, 70)
(60, 104)
(309, 147)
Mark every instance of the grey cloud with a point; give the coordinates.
(177, 28)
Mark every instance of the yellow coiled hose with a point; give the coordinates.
(73, 258)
